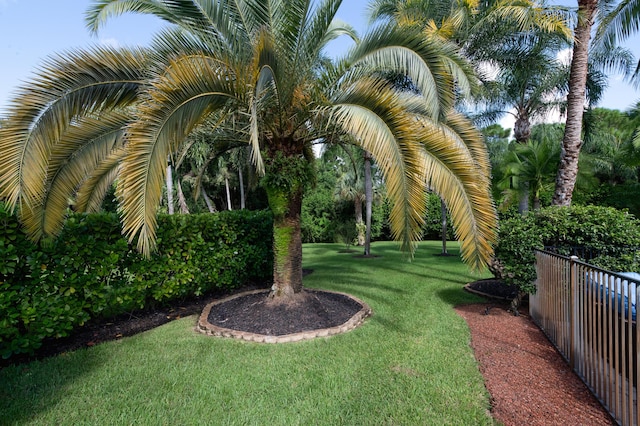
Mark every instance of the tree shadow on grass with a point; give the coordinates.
(29, 390)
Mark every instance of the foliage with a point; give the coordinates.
(603, 236)
(319, 209)
(514, 255)
(323, 216)
(92, 272)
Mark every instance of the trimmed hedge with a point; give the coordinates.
(603, 236)
(91, 272)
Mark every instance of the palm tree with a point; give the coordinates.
(126, 110)
(533, 166)
(350, 187)
(615, 23)
(530, 85)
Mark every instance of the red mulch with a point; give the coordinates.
(529, 381)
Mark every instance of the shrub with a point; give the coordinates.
(603, 236)
(90, 271)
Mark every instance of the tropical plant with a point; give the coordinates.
(530, 168)
(613, 22)
(262, 61)
(350, 186)
(608, 139)
(478, 27)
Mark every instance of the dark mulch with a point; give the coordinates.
(310, 310)
(493, 288)
(99, 331)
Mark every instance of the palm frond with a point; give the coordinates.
(102, 10)
(618, 24)
(191, 88)
(461, 127)
(370, 113)
(431, 64)
(81, 149)
(527, 16)
(66, 88)
(450, 171)
(93, 190)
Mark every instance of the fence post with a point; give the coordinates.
(573, 314)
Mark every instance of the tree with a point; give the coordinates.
(572, 140)
(533, 166)
(351, 187)
(615, 23)
(530, 85)
(259, 61)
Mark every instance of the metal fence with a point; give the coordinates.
(589, 314)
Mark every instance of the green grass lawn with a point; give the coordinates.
(409, 364)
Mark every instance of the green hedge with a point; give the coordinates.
(603, 236)
(91, 272)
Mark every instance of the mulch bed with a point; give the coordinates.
(310, 310)
(528, 380)
(493, 289)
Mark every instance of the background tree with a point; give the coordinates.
(613, 158)
(350, 186)
(532, 167)
(530, 85)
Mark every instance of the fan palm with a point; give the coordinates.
(90, 115)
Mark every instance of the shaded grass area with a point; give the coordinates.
(410, 363)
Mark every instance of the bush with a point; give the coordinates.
(603, 236)
(90, 271)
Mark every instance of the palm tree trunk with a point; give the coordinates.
(207, 201)
(523, 203)
(242, 199)
(226, 184)
(287, 243)
(443, 212)
(169, 182)
(360, 227)
(182, 201)
(368, 196)
(536, 203)
(571, 143)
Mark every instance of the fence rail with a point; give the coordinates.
(589, 314)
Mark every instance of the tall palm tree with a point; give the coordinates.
(616, 22)
(128, 109)
(572, 140)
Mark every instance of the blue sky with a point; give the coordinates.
(31, 30)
